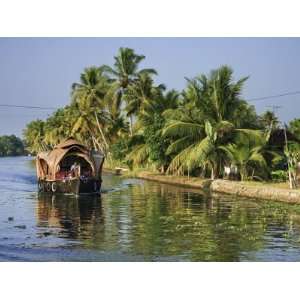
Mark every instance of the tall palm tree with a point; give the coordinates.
(140, 91)
(206, 121)
(126, 66)
(91, 88)
(217, 96)
(125, 71)
(89, 98)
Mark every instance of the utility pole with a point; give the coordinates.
(274, 108)
(292, 181)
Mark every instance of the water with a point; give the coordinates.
(138, 220)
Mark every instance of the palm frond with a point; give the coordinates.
(181, 129)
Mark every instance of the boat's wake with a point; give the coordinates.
(18, 178)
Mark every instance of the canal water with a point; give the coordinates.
(138, 220)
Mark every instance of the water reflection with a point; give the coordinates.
(156, 222)
(76, 217)
(139, 220)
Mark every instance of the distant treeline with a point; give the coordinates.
(10, 145)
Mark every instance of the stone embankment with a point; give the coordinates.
(228, 187)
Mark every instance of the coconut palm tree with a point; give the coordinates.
(57, 127)
(89, 99)
(197, 145)
(126, 66)
(139, 92)
(217, 96)
(92, 87)
(206, 120)
(125, 71)
(34, 134)
(116, 127)
(250, 151)
(245, 155)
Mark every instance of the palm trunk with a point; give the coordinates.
(101, 132)
(291, 179)
(130, 125)
(243, 173)
(95, 143)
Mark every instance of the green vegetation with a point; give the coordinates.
(207, 127)
(10, 145)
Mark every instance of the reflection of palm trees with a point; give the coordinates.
(76, 217)
(152, 220)
(173, 221)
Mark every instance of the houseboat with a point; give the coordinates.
(70, 168)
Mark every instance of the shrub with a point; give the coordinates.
(279, 175)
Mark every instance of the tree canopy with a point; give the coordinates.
(123, 111)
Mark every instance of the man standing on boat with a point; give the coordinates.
(75, 169)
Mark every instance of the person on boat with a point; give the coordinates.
(75, 169)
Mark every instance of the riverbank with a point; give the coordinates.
(237, 188)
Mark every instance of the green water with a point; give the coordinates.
(138, 220)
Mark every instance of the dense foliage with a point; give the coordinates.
(202, 130)
(10, 145)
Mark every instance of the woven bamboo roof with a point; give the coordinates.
(53, 158)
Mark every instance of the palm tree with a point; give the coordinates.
(92, 87)
(244, 155)
(117, 127)
(125, 72)
(57, 127)
(139, 92)
(89, 98)
(197, 145)
(206, 120)
(126, 65)
(34, 134)
(216, 96)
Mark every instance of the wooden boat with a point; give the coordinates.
(69, 168)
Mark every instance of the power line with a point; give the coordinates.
(28, 106)
(274, 96)
(249, 100)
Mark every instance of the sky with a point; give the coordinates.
(40, 71)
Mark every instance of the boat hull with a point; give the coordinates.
(70, 186)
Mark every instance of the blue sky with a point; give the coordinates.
(40, 71)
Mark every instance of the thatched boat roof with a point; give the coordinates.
(48, 161)
(68, 143)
